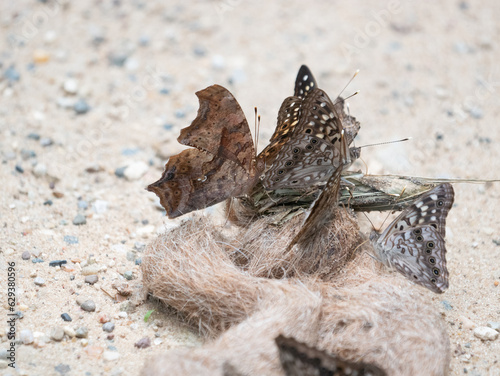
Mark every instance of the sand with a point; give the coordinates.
(427, 71)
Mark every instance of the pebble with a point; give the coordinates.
(26, 336)
(39, 281)
(57, 333)
(91, 279)
(70, 239)
(100, 206)
(494, 325)
(131, 256)
(11, 74)
(120, 171)
(27, 154)
(79, 219)
(81, 107)
(81, 332)
(180, 113)
(110, 355)
(200, 51)
(129, 275)
(108, 327)
(135, 170)
(122, 314)
(57, 263)
(26, 255)
(69, 331)
(90, 269)
(486, 334)
(62, 369)
(466, 323)
(476, 113)
(70, 86)
(82, 204)
(138, 261)
(88, 305)
(34, 136)
(139, 246)
(143, 343)
(40, 170)
(447, 306)
(66, 317)
(48, 203)
(118, 58)
(19, 168)
(40, 56)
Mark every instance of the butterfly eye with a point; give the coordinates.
(432, 260)
(430, 244)
(440, 203)
(417, 231)
(435, 271)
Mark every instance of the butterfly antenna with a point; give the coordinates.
(387, 142)
(256, 130)
(348, 82)
(369, 220)
(359, 246)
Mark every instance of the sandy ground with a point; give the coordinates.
(429, 70)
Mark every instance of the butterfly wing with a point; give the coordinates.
(414, 242)
(304, 82)
(298, 359)
(321, 210)
(315, 145)
(221, 128)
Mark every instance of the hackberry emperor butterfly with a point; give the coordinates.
(298, 359)
(223, 163)
(414, 242)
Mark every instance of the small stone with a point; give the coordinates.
(70, 239)
(135, 170)
(57, 333)
(108, 327)
(27, 154)
(19, 168)
(200, 51)
(476, 113)
(70, 86)
(139, 246)
(129, 275)
(82, 204)
(57, 263)
(130, 256)
(34, 136)
(40, 56)
(91, 269)
(110, 355)
(138, 261)
(486, 334)
(118, 58)
(88, 306)
(66, 317)
(79, 220)
(91, 279)
(48, 203)
(81, 332)
(494, 325)
(143, 343)
(46, 141)
(122, 314)
(26, 255)
(39, 281)
(81, 107)
(58, 194)
(180, 113)
(36, 260)
(100, 206)
(144, 41)
(11, 74)
(62, 369)
(40, 170)
(466, 323)
(26, 336)
(120, 171)
(447, 306)
(69, 331)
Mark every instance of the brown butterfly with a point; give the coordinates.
(298, 359)
(222, 164)
(309, 142)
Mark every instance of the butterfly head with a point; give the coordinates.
(374, 235)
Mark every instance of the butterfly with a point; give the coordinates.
(414, 242)
(298, 359)
(309, 142)
(221, 163)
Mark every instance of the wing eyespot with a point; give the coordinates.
(430, 244)
(296, 150)
(435, 271)
(417, 231)
(419, 238)
(440, 203)
(432, 260)
(433, 280)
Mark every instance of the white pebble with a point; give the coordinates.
(486, 334)
(135, 170)
(122, 315)
(100, 206)
(26, 336)
(40, 170)
(69, 331)
(70, 86)
(110, 355)
(39, 281)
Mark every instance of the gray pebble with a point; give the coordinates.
(446, 304)
(48, 203)
(88, 306)
(120, 171)
(66, 317)
(117, 58)
(57, 333)
(26, 255)
(26, 336)
(70, 239)
(143, 343)
(200, 51)
(82, 204)
(82, 332)
(180, 113)
(81, 107)
(139, 246)
(144, 41)
(34, 136)
(79, 219)
(128, 275)
(108, 327)
(62, 369)
(39, 281)
(36, 260)
(27, 154)
(19, 168)
(11, 74)
(138, 261)
(91, 279)
(130, 256)
(46, 141)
